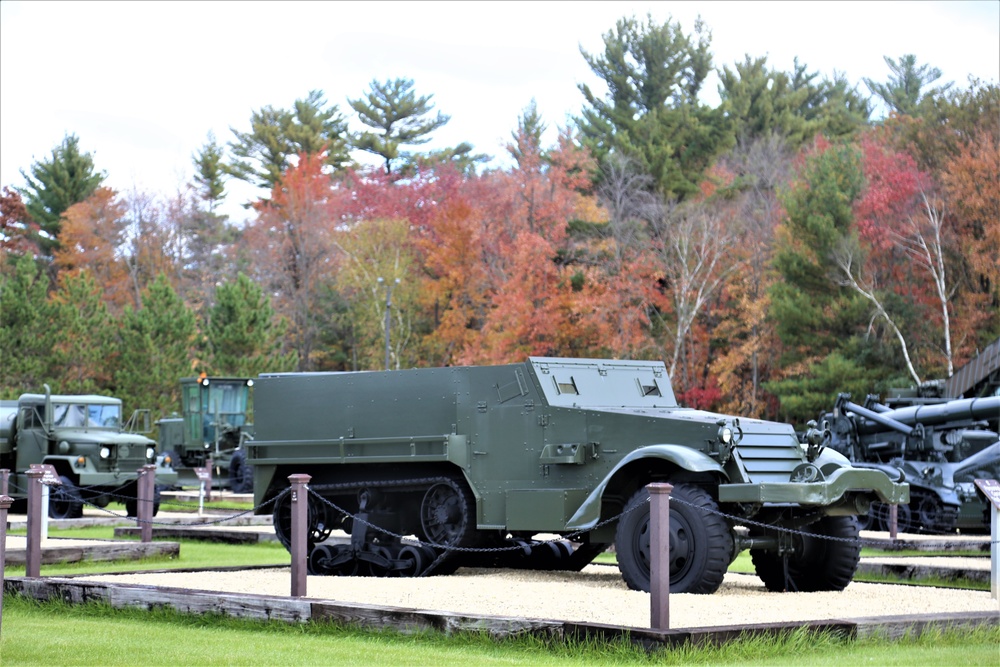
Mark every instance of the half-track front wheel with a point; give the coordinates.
(318, 520)
(701, 542)
(825, 559)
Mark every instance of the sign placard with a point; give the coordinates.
(49, 476)
(204, 474)
(990, 489)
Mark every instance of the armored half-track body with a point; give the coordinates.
(544, 464)
(940, 446)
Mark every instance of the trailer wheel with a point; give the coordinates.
(701, 542)
(132, 504)
(64, 500)
(823, 560)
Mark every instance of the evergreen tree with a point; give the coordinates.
(651, 114)
(399, 118)
(26, 333)
(209, 173)
(277, 136)
(244, 336)
(86, 335)
(528, 135)
(66, 178)
(907, 87)
(763, 102)
(156, 349)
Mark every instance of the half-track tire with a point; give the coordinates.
(825, 559)
(64, 500)
(701, 542)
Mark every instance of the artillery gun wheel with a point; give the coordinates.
(823, 560)
(701, 542)
(318, 520)
(64, 500)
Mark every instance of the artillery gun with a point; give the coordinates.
(214, 425)
(95, 455)
(432, 469)
(939, 445)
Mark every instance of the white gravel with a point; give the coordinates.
(595, 595)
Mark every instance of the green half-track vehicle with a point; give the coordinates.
(544, 465)
(96, 456)
(214, 425)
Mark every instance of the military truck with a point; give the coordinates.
(213, 425)
(480, 463)
(82, 436)
(940, 445)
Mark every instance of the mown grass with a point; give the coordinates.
(96, 634)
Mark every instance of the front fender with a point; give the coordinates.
(589, 513)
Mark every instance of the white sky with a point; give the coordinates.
(142, 83)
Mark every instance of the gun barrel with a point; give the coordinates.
(974, 409)
(984, 457)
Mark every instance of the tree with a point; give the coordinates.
(66, 178)
(278, 136)
(651, 112)
(17, 229)
(157, 342)
(907, 87)
(527, 138)
(84, 350)
(244, 337)
(26, 332)
(290, 250)
(209, 173)
(399, 117)
(763, 102)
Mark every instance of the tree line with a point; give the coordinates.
(774, 249)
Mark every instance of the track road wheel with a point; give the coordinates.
(701, 542)
(64, 500)
(824, 559)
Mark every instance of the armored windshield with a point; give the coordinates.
(83, 415)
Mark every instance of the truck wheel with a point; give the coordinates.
(240, 473)
(64, 500)
(824, 560)
(132, 504)
(701, 542)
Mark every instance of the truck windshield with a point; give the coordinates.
(83, 415)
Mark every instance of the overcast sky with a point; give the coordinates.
(142, 83)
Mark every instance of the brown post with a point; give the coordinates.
(5, 502)
(659, 555)
(145, 492)
(208, 482)
(893, 520)
(4, 481)
(33, 554)
(300, 529)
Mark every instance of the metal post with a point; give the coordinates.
(995, 552)
(300, 529)
(5, 502)
(893, 520)
(659, 555)
(145, 497)
(4, 481)
(33, 553)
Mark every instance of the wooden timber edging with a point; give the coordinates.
(213, 534)
(303, 610)
(975, 543)
(921, 571)
(107, 551)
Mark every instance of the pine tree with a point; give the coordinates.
(907, 86)
(651, 112)
(26, 334)
(209, 174)
(399, 117)
(86, 334)
(67, 178)
(157, 341)
(278, 136)
(244, 335)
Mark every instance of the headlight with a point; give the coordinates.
(105, 452)
(150, 453)
(726, 434)
(250, 383)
